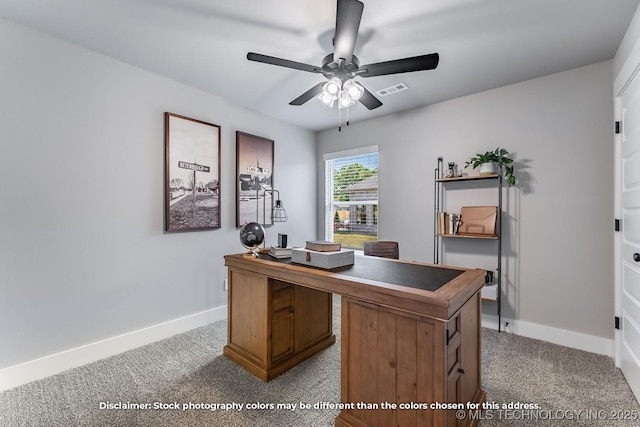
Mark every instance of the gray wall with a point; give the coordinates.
(558, 240)
(83, 256)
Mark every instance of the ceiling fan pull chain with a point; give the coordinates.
(339, 119)
(347, 116)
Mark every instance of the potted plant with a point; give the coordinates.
(489, 160)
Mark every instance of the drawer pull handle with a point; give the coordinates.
(636, 257)
(461, 370)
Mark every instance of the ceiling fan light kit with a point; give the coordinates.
(347, 93)
(342, 66)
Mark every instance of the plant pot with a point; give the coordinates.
(488, 168)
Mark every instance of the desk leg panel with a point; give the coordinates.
(274, 325)
(314, 317)
(248, 331)
(389, 358)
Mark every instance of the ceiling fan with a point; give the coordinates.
(341, 66)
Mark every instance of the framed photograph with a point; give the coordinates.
(254, 175)
(192, 174)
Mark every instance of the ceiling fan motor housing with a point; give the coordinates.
(341, 70)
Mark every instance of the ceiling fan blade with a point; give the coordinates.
(405, 65)
(258, 57)
(368, 100)
(348, 15)
(311, 93)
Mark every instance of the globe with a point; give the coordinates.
(252, 236)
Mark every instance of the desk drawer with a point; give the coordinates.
(282, 335)
(278, 286)
(453, 326)
(453, 342)
(453, 353)
(283, 299)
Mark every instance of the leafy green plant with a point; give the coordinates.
(497, 156)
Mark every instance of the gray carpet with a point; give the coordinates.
(189, 369)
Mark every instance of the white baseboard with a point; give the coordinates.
(563, 337)
(36, 369)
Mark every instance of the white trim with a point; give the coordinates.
(628, 71)
(350, 153)
(328, 199)
(617, 236)
(52, 364)
(562, 337)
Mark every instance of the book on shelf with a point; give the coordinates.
(447, 223)
(444, 223)
(278, 252)
(323, 246)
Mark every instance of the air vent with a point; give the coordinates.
(392, 89)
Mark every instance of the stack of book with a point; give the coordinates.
(322, 254)
(447, 223)
(323, 246)
(278, 252)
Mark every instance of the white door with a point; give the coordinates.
(628, 242)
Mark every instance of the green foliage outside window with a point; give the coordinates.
(348, 175)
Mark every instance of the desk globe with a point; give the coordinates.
(252, 236)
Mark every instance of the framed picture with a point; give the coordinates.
(192, 174)
(254, 175)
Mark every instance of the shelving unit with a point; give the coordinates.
(489, 293)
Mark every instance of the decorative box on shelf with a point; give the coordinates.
(327, 260)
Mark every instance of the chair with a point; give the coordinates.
(382, 248)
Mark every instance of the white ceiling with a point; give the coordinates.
(483, 44)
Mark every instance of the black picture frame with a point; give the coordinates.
(192, 174)
(254, 174)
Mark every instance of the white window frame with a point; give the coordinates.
(329, 204)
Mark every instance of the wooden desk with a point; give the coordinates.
(410, 332)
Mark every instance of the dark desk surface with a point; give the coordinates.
(418, 276)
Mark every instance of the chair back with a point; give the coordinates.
(382, 248)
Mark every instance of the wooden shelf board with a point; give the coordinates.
(469, 178)
(470, 236)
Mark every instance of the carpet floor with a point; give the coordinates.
(186, 381)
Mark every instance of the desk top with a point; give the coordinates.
(419, 276)
(425, 289)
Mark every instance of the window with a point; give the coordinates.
(351, 197)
